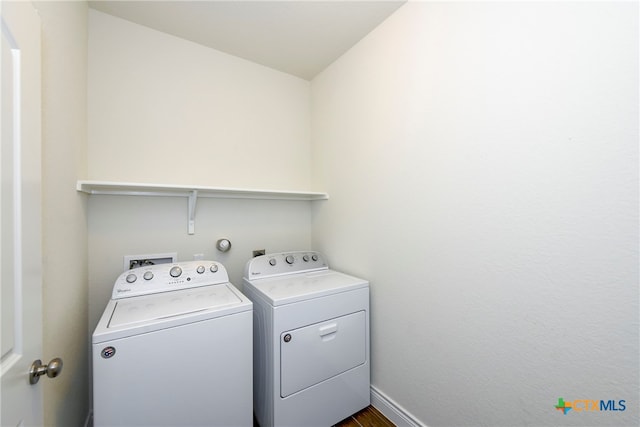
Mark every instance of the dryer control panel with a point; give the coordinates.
(153, 279)
(278, 264)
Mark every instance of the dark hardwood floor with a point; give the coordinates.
(368, 417)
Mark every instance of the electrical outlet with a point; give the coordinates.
(258, 252)
(136, 261)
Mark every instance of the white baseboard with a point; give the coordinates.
(394, 412)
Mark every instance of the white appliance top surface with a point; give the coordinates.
(129, 311)
(194, 291)
(286, 288)
(147, 313)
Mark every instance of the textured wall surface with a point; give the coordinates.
(482, 162)
(166, 110)
(64, 225)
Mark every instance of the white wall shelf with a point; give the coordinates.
(192, 192)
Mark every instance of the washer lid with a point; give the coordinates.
(148, 313)
(135, 310)
(298, 287)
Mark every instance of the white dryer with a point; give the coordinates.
(311, 340)
(174, 348)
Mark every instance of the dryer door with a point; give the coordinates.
(315, 353)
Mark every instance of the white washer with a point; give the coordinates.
(311, 340)
(174, 348)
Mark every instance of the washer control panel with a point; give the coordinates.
(152, 279)
(278, 264)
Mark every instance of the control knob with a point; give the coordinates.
(148, 275)
(305, 258)
(272, 261)
(131, 278)
(314, 257)
(175, 271)
(214, 268)
(200, 269)
(289, 259)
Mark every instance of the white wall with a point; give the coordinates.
(64, 238)
(166, 110)
(482, 162)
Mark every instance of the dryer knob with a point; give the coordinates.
(314, 257)
(200, 269)
(289, 259)
(148, 275)
(175, 271)
(214, 268)
(305, 258)
(131, 278)
(272, 261)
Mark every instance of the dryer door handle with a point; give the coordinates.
(329, 329)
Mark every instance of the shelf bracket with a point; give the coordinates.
(193, 198)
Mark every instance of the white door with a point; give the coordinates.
(20, 215)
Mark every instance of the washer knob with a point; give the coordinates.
(314, 257)
(272, 261)
(214, 268)
(131, 278)
(200, 269)
(175, 271)
(289, 259)
(148, 275)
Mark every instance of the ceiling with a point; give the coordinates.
(299, 37)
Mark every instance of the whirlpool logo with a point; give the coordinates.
(588, 405)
